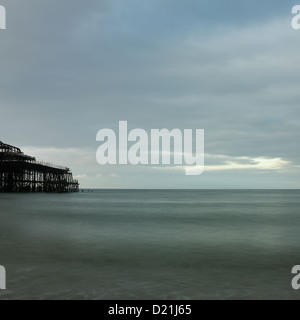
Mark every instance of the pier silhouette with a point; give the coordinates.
(22, 173)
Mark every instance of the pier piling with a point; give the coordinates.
(22, 173)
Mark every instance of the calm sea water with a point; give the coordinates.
(113, 244)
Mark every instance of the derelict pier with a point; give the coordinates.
(22, 173)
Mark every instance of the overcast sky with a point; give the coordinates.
(69, 68)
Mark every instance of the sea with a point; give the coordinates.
(150, 244)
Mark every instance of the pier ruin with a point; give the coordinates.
(22, 173)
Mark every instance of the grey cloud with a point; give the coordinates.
(70, 68)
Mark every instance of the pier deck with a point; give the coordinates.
(22, 173)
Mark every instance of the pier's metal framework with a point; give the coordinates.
(22, 173)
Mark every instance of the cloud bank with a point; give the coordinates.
(69, 69)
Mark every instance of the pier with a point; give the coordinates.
(22, 173)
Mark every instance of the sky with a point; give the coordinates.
(71, 68)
